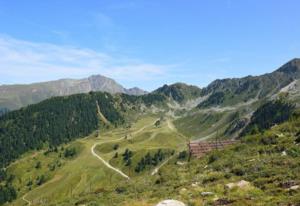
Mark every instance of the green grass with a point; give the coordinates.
(202, 125)
(84, 175)
(85, 180)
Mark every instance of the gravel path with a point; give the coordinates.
(105, 162)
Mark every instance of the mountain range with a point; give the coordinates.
(221, 92)
(80, 145)
(17, 96)
(227, 92)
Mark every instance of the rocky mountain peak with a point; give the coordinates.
(102, 83)
(291, 68)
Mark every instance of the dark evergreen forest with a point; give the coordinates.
(52, 122)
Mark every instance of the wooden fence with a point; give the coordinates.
(198, 149)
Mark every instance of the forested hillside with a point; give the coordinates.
(3, 111)
(62, 119)
(147, 100)
(179, 92)
(54, 121)
(268, 115)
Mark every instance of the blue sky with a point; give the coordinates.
(146, 43)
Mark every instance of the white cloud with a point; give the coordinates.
(24, 62)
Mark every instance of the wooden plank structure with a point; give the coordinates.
(199, 148)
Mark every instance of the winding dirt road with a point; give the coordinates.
(27, 201)
(105, 162)
(155, 171)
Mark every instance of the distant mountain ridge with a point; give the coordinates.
(16, 96)
(179, 92)
(227, 92)
(220, 93)
(75, 116)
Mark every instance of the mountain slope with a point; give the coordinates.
(179, 92)
(266, 164)
(17, 96)
(144, 129)
(52, 122)
(228, 92)
(61, 119)
(227, 105)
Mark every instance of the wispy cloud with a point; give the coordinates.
(24, 61)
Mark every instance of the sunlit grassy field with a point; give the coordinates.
(83, 174)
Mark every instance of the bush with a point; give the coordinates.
(238, 170)
(128, 163)
(294, 152)
(182, 155)
(120, 190)
(51, 167)
(116, 155)
(297, 138)
(269, 140)
(38, 165)
(116, 146)
(70, 152)
(148, 160)
(40, 180)
(212, 178)
(212, 158)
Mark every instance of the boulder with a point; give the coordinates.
(170, 203)
(180, 163)
(295, 187)
(241, 184)
(283, 153)
(207, 193)
(195, 184)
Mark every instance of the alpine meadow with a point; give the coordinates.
(149, 103)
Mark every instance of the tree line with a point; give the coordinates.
(54, 121)
(7, 191)
(269, 114)
(148, 160)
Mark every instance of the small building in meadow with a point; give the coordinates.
(199, 148)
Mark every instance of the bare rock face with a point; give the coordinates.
(170, 203)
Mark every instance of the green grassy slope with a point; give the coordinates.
(269, 161)
(204, 125)
(84, 175)
(179, 92)
(145, 136)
